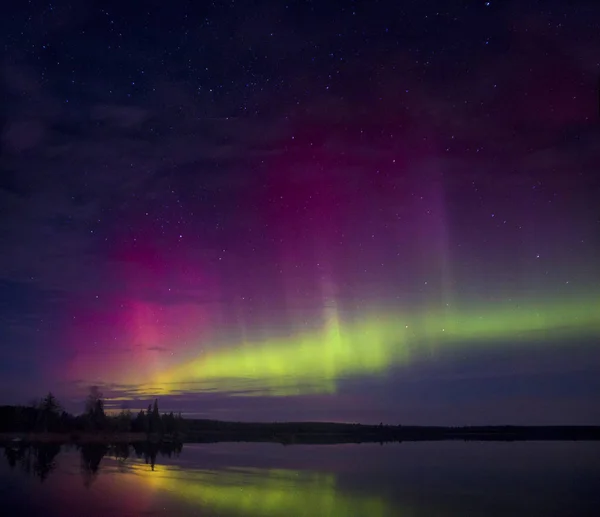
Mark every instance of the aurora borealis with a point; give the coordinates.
(302, 211)
(314, 361)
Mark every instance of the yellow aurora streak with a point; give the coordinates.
(261, 492)
(314, 361)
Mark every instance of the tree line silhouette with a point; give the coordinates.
(95, 424)
(48, 416)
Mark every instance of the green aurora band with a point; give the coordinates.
(313, 362)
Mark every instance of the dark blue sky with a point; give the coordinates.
(201, 200)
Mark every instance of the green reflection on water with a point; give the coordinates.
(264, 492)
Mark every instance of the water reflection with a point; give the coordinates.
(268, 492)
(268, 481)
(39, 459)
(242, 490)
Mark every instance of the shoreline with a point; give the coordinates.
(314, 433)
(75, 438)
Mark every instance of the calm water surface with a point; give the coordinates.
(407, 479)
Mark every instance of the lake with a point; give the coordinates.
(256, 479)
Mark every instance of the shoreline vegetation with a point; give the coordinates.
(45, 421)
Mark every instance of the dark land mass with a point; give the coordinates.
(204, 431)
(46, 422)
(213, 431)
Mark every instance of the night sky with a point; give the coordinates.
(353, 211)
